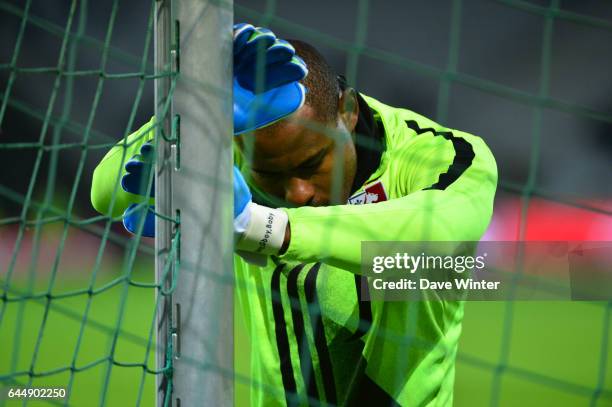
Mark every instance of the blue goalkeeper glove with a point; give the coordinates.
(259, 231)
(138, 170)
(280, 93)
(132, 216)
(254, 107)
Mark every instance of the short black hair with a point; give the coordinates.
(321, 83)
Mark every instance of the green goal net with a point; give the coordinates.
(81, 307)
(78, 295)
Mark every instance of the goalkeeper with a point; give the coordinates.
(298, 230)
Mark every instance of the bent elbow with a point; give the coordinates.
(99, 200)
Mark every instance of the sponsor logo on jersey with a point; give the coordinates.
(371, 194)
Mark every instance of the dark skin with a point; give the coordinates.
(295, 161)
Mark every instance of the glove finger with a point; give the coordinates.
(239, 27)
(134, 185)
(146, 151)
(277, 52)
(280, 51)
(132, 218)
(281, 74)
(277, 75)
(135, 164)
(137, 161)
(146, 158)
(261, 34)
(135, 181)
(258, 43)
(242, 33)
(298, 61)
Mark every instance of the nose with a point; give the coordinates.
(299, 191)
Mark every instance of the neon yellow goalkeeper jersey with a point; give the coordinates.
(312, 339)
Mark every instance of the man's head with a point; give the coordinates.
(295, 159)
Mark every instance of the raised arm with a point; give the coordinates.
(444, 185)
(106, 179)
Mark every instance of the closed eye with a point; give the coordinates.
(310, 164)
(313, 162)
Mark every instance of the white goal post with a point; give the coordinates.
(193, 184)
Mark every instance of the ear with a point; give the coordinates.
(348, 108)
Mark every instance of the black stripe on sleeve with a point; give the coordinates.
(464, 155)
(298, 328)
(282, 340)
(310, 289)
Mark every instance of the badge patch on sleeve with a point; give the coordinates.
(371, 194)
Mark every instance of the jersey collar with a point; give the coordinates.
(369, 144)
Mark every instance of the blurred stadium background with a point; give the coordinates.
(530, 77)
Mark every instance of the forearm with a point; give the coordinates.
(334, 234)
(107, 175)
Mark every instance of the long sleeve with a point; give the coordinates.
(441, 183)
(106, 179)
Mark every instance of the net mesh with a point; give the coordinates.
(79, 300)
(87, 326)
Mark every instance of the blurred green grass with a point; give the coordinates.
(554, 353)
(59, 339)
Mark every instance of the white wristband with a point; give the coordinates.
(265, 232)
